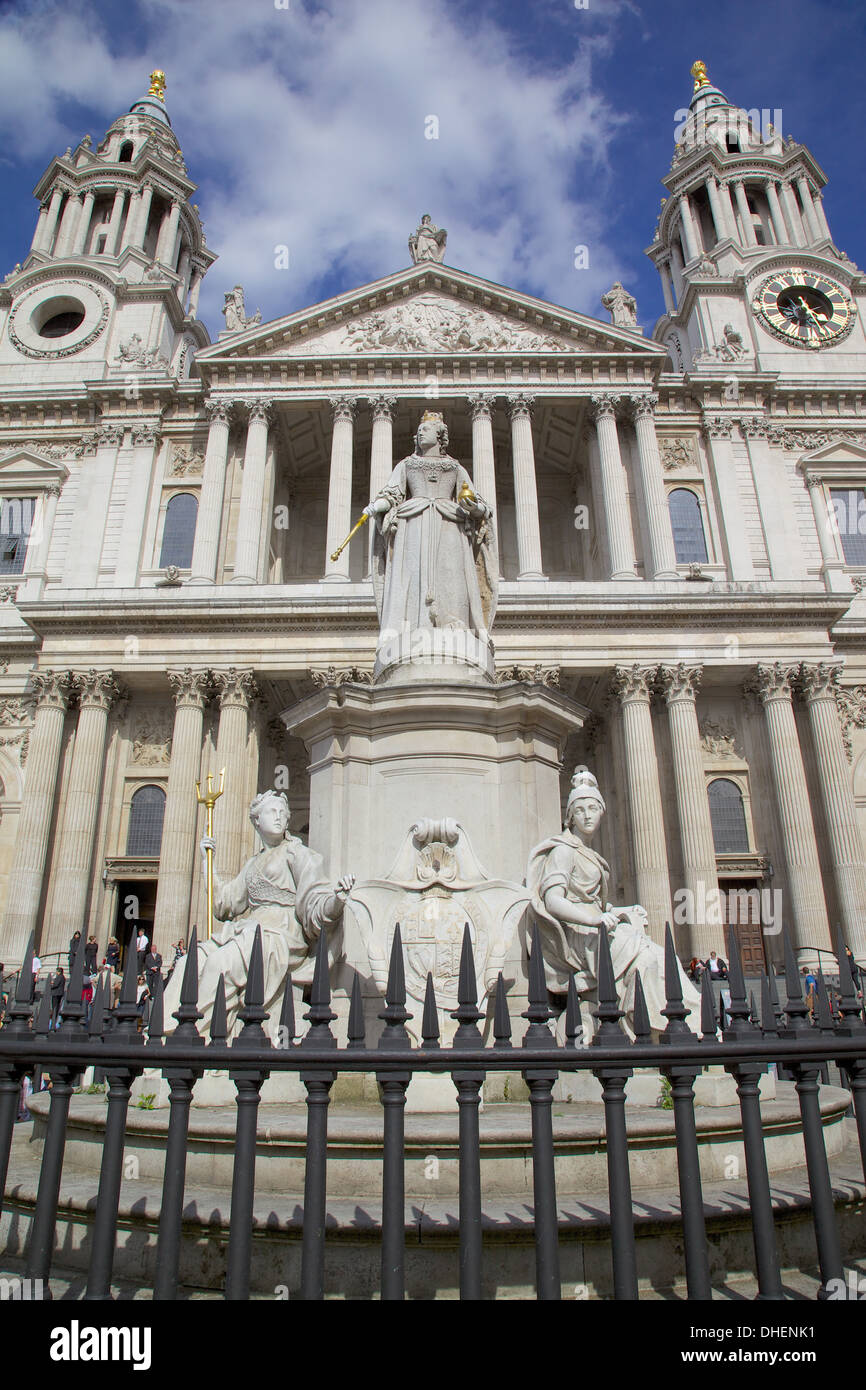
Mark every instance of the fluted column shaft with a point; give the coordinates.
(814, 229)
(340, 488)
(205, 549)
(617, 518)
(139, 232)
(818, 204)
(525, 488)
(483, 460)
(806, 911)
(633, 686)
(727, 208)
(776, 213)
(178, 852)
(83, 226)
(745, 214)
(168, 235)
(819, 685)
(381, 457)
(39, 232)
(68, 223)
(680, 684)
(51, 221)
(716, 208)
(114, 222)
(97, 691)
(236, 691)
(52, 690)
(667, 287)
(690, 231)
(792, 216)
(248, 543)
(662, 560)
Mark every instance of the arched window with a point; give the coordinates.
(145, 821)
(727, 817)
(690, 543)
(125, 155)
(178, 533)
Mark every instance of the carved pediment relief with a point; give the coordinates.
(429, 324)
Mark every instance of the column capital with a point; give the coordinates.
(110, 435)
(383, 407)
(812, 480)
(520, 404)
(52, 489)
(96, 689)
(633, 683)
(481, 404)
(773, 682)
(146, 432)
(680, 682)
(603, 403)
(219, 411)
(643, 405)
(235, 687)
(753, 426)
(52, 689)
(820, 681)
(191, 689)
(717, 426)
(261, 410)
(343, 407)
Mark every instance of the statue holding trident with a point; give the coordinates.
(209, 800)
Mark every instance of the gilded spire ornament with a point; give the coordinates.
(699, 73)
(157, 85)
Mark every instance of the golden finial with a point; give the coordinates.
(699, 73)
(157, 85)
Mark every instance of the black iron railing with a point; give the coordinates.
(113, 1042)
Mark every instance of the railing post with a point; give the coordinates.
(11, 1073)
(395, 1037)
(469, 1085)
(318, 1084)
(541, 1081)
(613, 1079)
(249, 1085)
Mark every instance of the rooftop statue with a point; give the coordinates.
(283, 890)
(233, 308)
(568, 882)
(427, 242)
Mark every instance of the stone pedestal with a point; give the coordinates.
(384, 756)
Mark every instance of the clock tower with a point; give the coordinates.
(750, 272)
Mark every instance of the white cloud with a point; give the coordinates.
(306, 127)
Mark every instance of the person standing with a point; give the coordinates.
(58, 992)
(73, 947)
(153, 969)
(811, 990)
(91, 952)
(141, 945)
(112, 955)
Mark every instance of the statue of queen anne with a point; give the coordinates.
(434, 551)
(568, 882)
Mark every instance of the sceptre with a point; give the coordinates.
(209, 800)
(358, 524)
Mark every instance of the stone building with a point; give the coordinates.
(679, 520)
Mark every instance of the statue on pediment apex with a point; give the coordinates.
(427, 242)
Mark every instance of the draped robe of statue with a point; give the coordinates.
(566, 863)
(435, 565)
(283, 890)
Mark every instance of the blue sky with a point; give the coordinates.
(305, 125)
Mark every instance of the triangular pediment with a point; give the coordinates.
(841, 452)
(429, 310)
(25, 467)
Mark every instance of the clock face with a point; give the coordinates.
(804, 308)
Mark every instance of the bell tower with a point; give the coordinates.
(118, 256)
(749, 269)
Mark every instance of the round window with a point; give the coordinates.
(59, 325)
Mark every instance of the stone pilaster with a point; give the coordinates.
(145, 442)
(97, 691)
(525, 489)
(177, 857)
(804, 911)
(483, 462)
(633, 687)
(248, 542)
(827, 527)
(340, 488)
(717, 432)
(620, 543)
(52, 690)
(210, 509)
(679, 684)
(819, 685)
(36, 562)
(236, 691)
(662, 560)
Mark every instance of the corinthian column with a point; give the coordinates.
(97, 691)
(805, 911)
(525, 490)
(210, 512)
(483, 462)
(178, 853)
(237, 690)
(662, 557)
(617, 519)
(633, 686)
(819, 685)
(340, 488)
(52, 691)
(679, 685)
(381, 457)
(248, 543)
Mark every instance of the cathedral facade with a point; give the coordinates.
(681, 527)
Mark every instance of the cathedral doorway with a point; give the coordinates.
(742, 913)
(136, 905)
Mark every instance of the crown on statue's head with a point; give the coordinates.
(434, 415)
